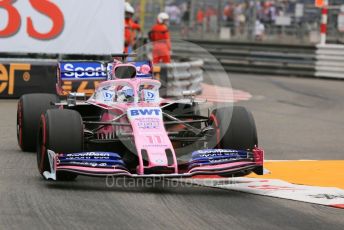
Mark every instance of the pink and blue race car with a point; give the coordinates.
(126, 129)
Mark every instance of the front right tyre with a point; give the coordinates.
(238, 133)
(61, 131)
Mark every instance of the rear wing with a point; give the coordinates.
(80, 76)
(84, 76)
(76, 71)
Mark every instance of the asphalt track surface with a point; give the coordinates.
(296, 119)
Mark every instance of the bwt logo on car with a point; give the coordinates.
(145, 112)
(81, 70)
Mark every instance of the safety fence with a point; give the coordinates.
(182, 78)
(330, 61)
(325, 61)
(256, 58)
(282, 21)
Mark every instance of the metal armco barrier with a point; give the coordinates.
(257, 58)
(330, 61)
(181, 78)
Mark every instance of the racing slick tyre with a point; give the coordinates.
(30, 108)
(239, 133)
(62, 132)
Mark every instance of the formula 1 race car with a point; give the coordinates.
(126, 129)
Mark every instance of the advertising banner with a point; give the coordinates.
(61, 26)
(17, 79)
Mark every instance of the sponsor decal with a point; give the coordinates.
(86, 87)
(15, 19)
(71, 160)
(83, 77)
(92, 159)
(50, 26)
(11, 73)
(150, 95)
(145, 112)
(214, 161)
(213, 154)
(143, 69)
(219, 156)
(108, 96)
(211, 151)
(84, 70)
(84, 158)
(88, 154)
(148, 123)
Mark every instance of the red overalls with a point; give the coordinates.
(160, 36)
(129, 33)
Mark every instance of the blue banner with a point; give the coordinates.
(83, 71)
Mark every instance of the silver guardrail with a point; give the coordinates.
(256, 58)
(182, 78)
(330, 61)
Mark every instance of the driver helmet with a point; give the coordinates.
(125, 94)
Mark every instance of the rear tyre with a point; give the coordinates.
(62, 132)
(30, 108)
(239, 133)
